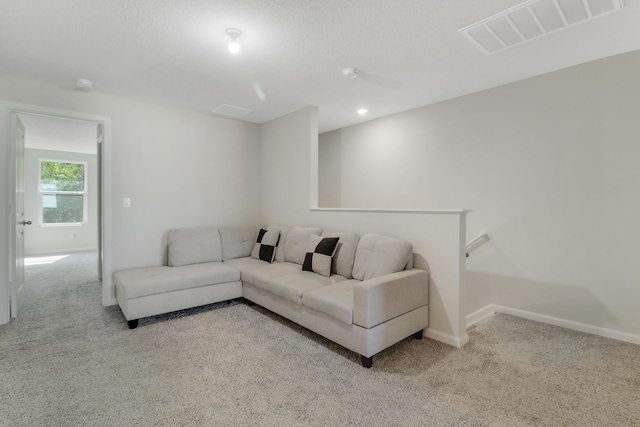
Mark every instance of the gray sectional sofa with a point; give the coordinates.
(360, 292)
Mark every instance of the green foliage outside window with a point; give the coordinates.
(62, 186)
(58, 176)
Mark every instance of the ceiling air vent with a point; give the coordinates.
(231, 111)
(532, 19)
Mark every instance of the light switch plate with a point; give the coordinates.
(126, 202)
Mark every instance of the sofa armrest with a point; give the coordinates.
(382, 298)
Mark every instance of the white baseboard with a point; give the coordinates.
(487, 312)
(449, 339)
(478, 317)
(58, 252)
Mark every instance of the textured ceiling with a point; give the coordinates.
(173, 52)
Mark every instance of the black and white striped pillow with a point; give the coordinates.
(265, 247)
(320, 252)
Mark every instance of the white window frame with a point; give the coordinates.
(84, 195)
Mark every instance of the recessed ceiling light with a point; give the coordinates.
(363, 111)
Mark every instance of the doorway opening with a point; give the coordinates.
(62, 179)
(61, 200)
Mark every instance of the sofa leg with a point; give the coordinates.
(367, 362)
(133, 323)
(418, 335)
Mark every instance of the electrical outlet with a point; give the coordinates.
(126, 202)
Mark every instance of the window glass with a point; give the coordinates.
(62, 208)
(63, 192)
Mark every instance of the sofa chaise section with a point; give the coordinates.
(195, 276)
(156, 290)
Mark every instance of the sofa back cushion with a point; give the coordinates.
(345, 252)
(237, 242)
(194, 245)
(379, 255)
(296, 241)
(283, 229)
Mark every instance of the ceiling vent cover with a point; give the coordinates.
(533, 19)
(231, 111)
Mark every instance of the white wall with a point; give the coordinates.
(180, 168)
(289, 180)
(39, 239)
(549, 166)
(330, 169)
(285, 157)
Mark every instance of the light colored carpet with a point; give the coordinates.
(67, 361)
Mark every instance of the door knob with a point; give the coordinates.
(25, 223)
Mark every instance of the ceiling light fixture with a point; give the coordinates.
(233, 33)
(363, 111)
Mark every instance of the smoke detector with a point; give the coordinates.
(84, 84)
(350, 73)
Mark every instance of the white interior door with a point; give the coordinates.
(17, 276)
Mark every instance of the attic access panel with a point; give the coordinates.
(233, 111)
(533, 19)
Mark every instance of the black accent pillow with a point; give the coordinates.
(265, 247)
(320, 252)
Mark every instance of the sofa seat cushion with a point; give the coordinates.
(242, 263)
(334, 300)
(143, 282)
(258, 275)
(293, 286)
